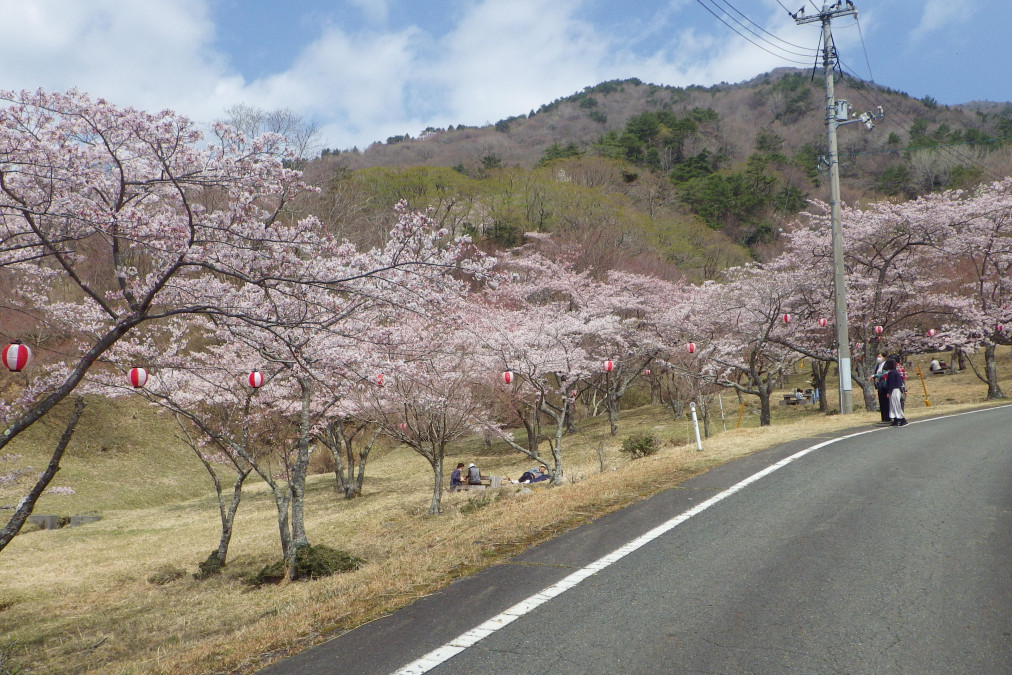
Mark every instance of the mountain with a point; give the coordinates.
(738, 160)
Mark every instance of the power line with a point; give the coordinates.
(904, 117)
(920, 147)
(865, 48)
(943, 148)
(808, 51)
(749, 40)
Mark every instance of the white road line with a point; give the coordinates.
(473, 636)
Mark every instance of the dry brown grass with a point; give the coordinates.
(79, 600)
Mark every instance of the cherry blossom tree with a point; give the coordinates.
(636, 309)
(535, 323)
(977, 255)
(741, 329)
(109, 216)
(890, 284)
(425, 393)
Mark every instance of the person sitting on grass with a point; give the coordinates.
(535, 475)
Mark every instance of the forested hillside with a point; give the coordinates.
(664, 179)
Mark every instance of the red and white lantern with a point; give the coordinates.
(1000, 327)
(404, 425)
(608, 365)
(787, 318)
(646, 372)
(256, 379)
(16, 356)
(691, 347)
(932, 332)
(507, 377)
(822, 323)
(379, 379)
(878, 330)
(573, 394)
(138, 377)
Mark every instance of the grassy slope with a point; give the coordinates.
(79, 599)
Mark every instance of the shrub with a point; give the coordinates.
(641, 445)
(165, 574)
(486, 498)
(213, 565)
(311, 562)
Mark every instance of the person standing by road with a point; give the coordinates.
(878, 379)
(894, 390)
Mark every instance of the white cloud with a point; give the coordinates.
(375, 11)
(486, 60)
(505, 58)
(353, 84)
(940, 15)
(151, 55)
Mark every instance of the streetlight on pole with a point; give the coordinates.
(837, 114)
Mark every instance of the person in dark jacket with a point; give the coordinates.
(535, 475)
(878, 379)
(894, 388)
(455, 478)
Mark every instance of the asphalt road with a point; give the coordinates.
(890, 551)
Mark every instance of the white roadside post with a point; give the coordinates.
(695, 426)
(721, 402)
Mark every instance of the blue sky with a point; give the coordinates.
(365, 70)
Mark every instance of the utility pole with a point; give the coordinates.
(837, 114)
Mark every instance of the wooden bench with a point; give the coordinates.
(489, 482)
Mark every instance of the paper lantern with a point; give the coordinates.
(787, 318)
(878, 330)
(138, 377)
(691, 347)
(507, 377)
(932, 332)
(256, 379)
(16, 356)
(1000, 327)
(608, 365)
(404, 425)
(646, 372)
(822, 323)
(379, 379)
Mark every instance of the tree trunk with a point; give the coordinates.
(990, 368)
(861, 376)
(765, 418)
(363, 456)
(282, 500)
(297, 484)
(557, 451)
(27, 504)
(437, 487)
(335, 443)
(228, 517)
(611, 403)
(706, 418)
